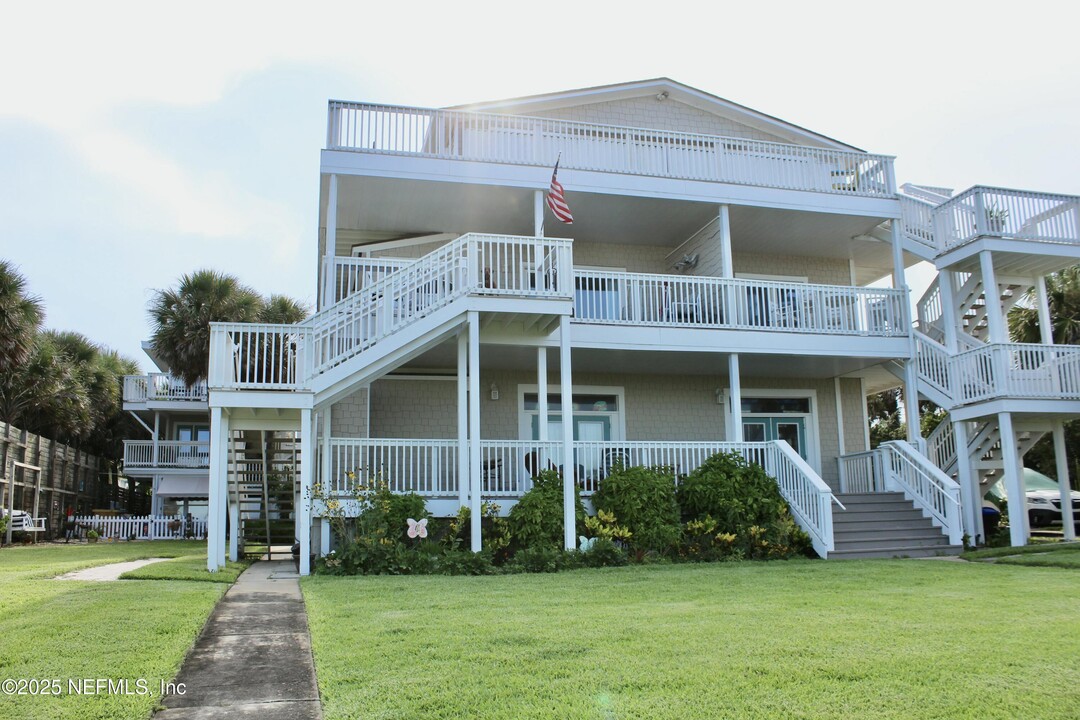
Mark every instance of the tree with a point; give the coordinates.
(21, 316)
(181, 319)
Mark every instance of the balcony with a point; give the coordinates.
(159, 387)
(166, 455)
(519, 140)
(1016, 370)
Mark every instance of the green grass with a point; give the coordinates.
(52, 629)
(1036, 546)
(1064, 557)
(857, 639)
(192, 567)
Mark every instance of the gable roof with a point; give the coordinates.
(655, 87)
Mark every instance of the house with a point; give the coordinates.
(716, 291)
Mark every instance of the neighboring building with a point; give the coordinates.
(716, 294)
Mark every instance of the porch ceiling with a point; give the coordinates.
(373, 209)
(644, 362)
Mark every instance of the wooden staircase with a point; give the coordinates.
(885, 525)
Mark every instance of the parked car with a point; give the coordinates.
(1043, 498)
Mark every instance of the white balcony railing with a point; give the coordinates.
(709, 302)
(430, 468)
(1015, 214)
(252, 356)
(172, 454)
(161, 387)
(1017, 370)
(352, 273)
(519, 140)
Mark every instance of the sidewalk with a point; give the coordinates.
(253, 658)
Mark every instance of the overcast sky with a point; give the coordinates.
(139, 143)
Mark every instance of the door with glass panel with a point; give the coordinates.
(790, 429)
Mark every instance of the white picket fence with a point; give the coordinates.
(147, 527)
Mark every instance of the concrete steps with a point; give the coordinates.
(885, 525)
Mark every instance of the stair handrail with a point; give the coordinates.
(929, 488)
(809, 497)
(917, 221)
(933, 363)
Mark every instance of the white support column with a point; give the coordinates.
(463, 416)
(331, 241)
(1068, 521)
(219, 464)
(542, 395)
(995, 318)
(1046, 325)
(911, 405)
(475, 473)
(538, 213)
(865, 415)
(157, 436)
(1014, 482)
(233, 500)
(727, 268)
(970, 497)
(308, 430)
(566, 388)
(325, 479)
(898, 279)
(950, 314)
(735, 432)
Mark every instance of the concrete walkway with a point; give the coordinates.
(253, 658)
(106, 573)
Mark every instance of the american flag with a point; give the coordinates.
(556, 201)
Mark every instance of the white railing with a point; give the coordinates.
(934, 364)
(941, 445)
(286, 357)
(710, 302)
(169, 454)
(1017, 370)
(353, 273)
(160, 386)
(430, 468)
(929, 312)
(520, 140)
(896, 466)
(147, 527)
(917, 221)
(997, 212)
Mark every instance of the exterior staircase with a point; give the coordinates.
(885, 525)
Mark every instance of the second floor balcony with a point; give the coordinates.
(166, 455)
(537, 141)
(161, 387)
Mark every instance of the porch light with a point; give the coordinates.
(494, 391)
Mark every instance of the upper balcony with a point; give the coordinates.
(157, 388)
(536, 141)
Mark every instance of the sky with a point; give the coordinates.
(141, 141)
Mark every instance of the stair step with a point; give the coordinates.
(839, 516)
(882, 541)
(863, 523)
(861, 498)
(898, 552)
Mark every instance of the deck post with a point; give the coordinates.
(970, 497)
(569, 464)
(1014, 481)
(463, 416)
(995, 318)
(1067, 518)
(541, 407)
(219, 463)
(233, 500)
(538, 213)
(307, 473)
(328, 288)
(475, 481)
(911, 379)
(735, 432)
(727, 268)
(326, 481)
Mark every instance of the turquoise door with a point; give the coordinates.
(790, 429)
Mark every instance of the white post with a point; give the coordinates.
(234, 521)
(475, 473)
(566, 387)
(1014, 482)
(950, 313)
(542, 395)
(1067, 519)
(898, 279)
(735, 432)
(307, 473)
(326, 480)
(911, 388)
(995, 318)
(331, 242)
(970, 497)
(219, 463)
(157, 436)
(1046, 325)
(538, 213)
(463, 416)
(840, 442)
(727, 269)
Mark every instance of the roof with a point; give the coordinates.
(654, 87)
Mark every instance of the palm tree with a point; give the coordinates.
(181, 319)
(1063, 296)
(20, 318)
(282, 309)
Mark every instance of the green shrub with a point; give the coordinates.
(543, 559)
(537, 518)
(727, 496)
(604, 553)
(643, 500)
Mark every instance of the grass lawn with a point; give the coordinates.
(64, 630)
(857, 639)
(190, 567)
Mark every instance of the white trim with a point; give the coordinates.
(362, 249)
(840, 441)
(865, 414)
(618, 425)
(813, 432)
(773, 278)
